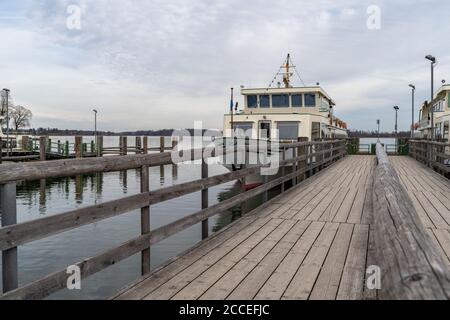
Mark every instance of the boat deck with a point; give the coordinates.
(312, 242)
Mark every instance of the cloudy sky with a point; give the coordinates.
(166, 63)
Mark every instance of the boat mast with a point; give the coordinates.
(286, 76)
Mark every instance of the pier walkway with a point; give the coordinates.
(313, 242)
(325, 237)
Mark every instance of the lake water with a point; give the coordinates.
(39, 199)
(364, 143)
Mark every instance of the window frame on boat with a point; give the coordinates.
(252, 106)
(306, 101)
(269, 101)
(281, 105)
(294, 95)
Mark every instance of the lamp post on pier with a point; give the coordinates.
(95, 124)
(396, 108)
(413, 90)
(433, 62)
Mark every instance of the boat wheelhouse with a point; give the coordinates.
(286, 113)
(441, 110)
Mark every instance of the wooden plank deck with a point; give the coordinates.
(313, 242)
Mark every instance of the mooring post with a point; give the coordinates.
(42, 148)
(138, 145)
(99, 146)
(145, 145)
(161, 144)
(124, 146)
(25, 142)
(145, 220)
(8, 210)
(78, 146)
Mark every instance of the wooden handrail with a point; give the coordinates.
(410, 264)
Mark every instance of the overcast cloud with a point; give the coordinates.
(163, 64)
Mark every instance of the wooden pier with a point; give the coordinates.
(318, 239)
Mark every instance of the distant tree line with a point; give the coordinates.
(374, 134)
(71, 132)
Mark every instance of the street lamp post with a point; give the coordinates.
(8, 143)
(396, 128)
(95, 124)
(413, 89)
(433, 62)
(378, 123)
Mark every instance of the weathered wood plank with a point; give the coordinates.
(327, 284)
(282, 276)
(351, 286)
(400, 235)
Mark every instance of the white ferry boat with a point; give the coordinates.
(283, 113)
(441, 108)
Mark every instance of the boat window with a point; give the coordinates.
(252, 101)
(264, 130)
(243, 129)
(325, 105)
(446, 128)
(264, 101)
(280, 101)
(297, 100)
(287, 130)
(310, 99)
(315, 131)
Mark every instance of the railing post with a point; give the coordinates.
(99, 145)
(78, 146)
(174, 165)
(42, 148)
(303, 152)
(283, 168)
(145, 220)
(8, 210)
(205, 226)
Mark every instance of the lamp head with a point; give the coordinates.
(412, 86)
(431, 58)
(396, 108)
(94, 110)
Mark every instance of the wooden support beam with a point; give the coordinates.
(78, 147)
(8, 212)
(42, 148)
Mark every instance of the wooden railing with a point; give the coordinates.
(306, 157)
(410, 264)
(435, 155)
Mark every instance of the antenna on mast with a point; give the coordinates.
(287, 75)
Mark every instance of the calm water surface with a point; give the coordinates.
(43, 198)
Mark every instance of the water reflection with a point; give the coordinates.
(36, 199)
